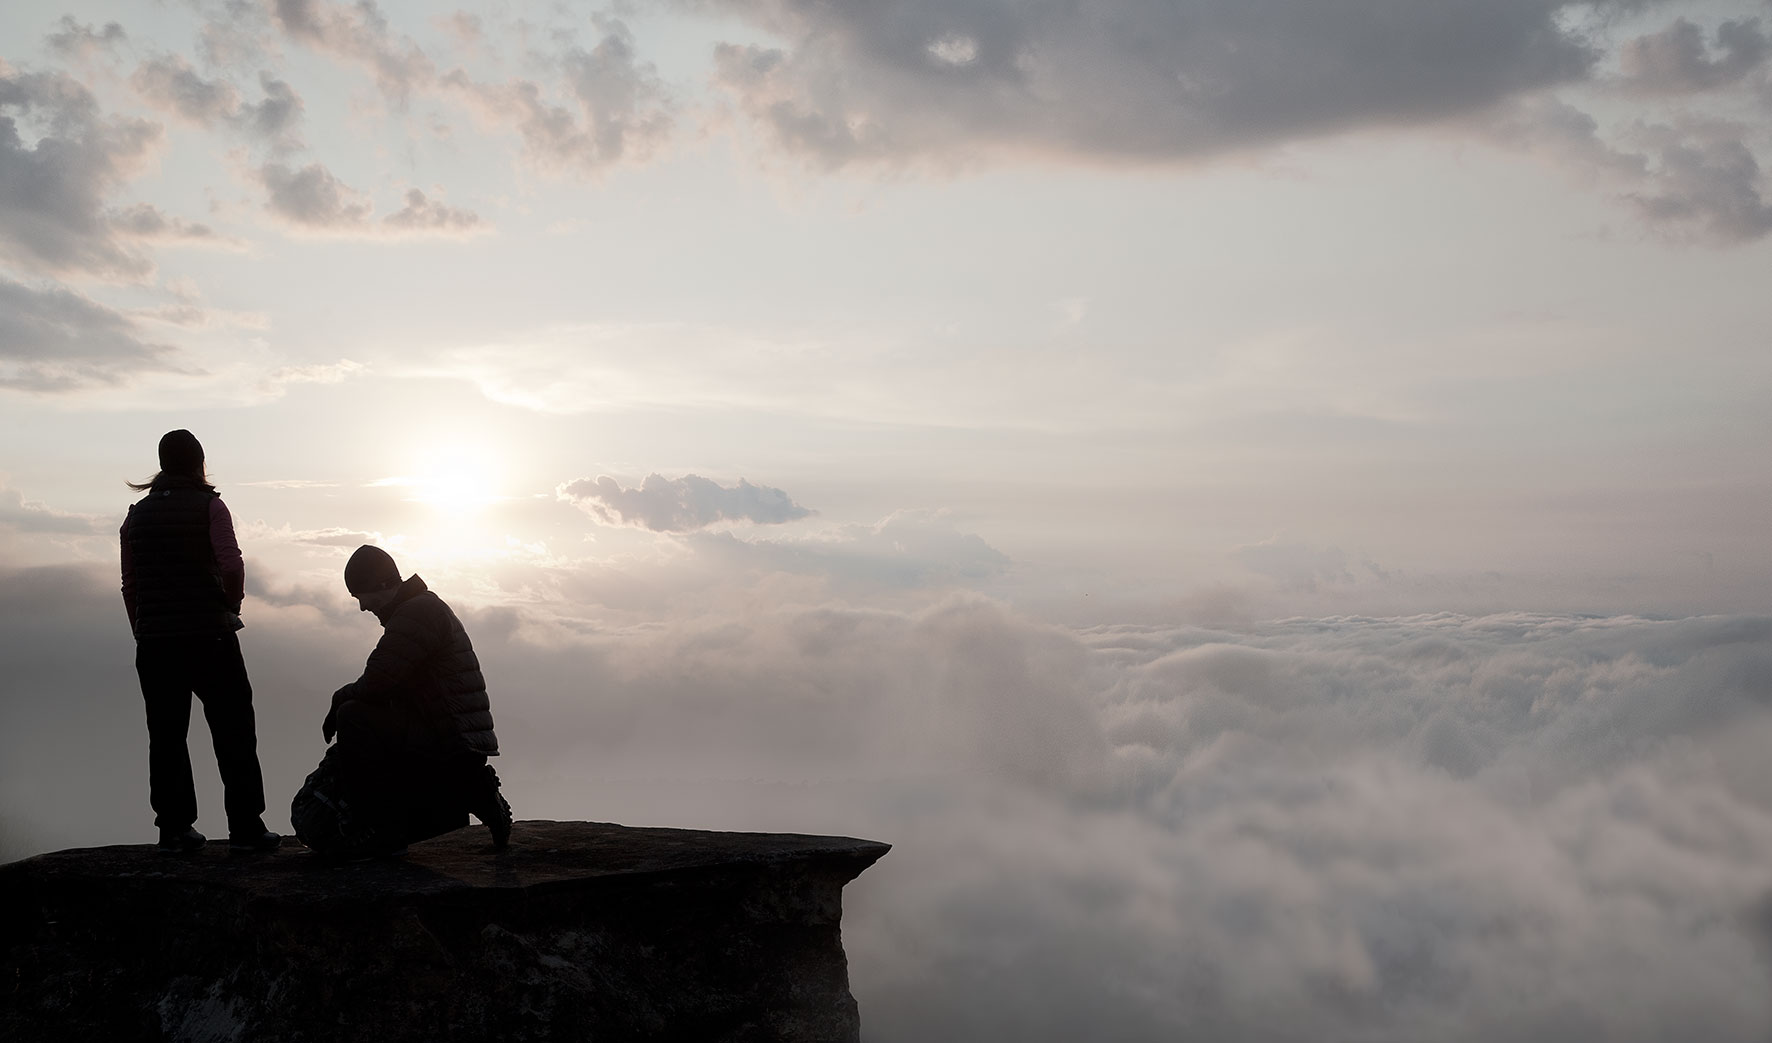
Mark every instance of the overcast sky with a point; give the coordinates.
(1263, 504)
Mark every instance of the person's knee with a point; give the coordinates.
(366, 725)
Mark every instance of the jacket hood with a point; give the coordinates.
(407, 590)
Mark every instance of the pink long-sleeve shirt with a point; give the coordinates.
(222, 541)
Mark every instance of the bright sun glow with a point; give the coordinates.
(456, 488)
(458, 484)
(454, 479)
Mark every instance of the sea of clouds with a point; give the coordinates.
(1513, 826)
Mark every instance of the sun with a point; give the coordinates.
(455, 479)
(455, 488)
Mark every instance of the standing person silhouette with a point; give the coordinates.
(183, 581)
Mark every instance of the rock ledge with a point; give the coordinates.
(580, 931)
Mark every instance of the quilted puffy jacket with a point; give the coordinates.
(425, 666)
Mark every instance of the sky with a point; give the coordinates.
(1262, 504)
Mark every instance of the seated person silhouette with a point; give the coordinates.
(413, 732)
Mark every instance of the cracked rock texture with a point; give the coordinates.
(580, 931)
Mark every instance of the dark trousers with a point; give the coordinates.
(172, 669)
(402, 774)
(372, 745)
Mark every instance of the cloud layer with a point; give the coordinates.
(1522, 827)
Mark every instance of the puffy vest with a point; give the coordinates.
(178, 588)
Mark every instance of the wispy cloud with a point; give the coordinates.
(81, 41)
(1678, 60)
(169, 83)
(359, 33)
(30, 516)
(1692, 179)
(325, 537)
(290, 483)
(147, 222)
(55, 340)
(425, 216)
(319, 373)
(615, 106)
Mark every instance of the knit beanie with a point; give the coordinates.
(181, 453)
(370, 568)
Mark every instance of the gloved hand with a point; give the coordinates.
(329, 727)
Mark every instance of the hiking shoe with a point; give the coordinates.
(264, 840)
(180, 841)
(491, 808)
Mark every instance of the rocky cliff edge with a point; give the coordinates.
(579, 931)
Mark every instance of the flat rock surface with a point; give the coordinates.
(542, 855)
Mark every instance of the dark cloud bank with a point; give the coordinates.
(1127, 82)
(1125, 78)
(1440, 827)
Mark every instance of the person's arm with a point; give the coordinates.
(128, 573)
(408, 641)
(228, 560)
